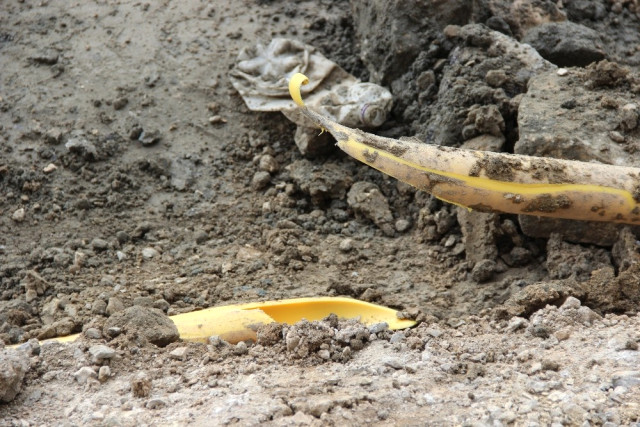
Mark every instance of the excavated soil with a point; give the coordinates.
(133, 175)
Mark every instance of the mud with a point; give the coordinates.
(134, 179)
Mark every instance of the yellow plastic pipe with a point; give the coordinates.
(494, 182)
(235, 323)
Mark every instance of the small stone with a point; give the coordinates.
(616, 136)
(114, 305)
(483, 270)
(496, 78)
(120, 103)
(241, 348)
(104, 373)
(216, 120)
(93, 333)
(149, 138)
(31, 347)
(49, 168)
(402, 225)
(345, 245)
(260, 180)
(571, 303)
(156, 403)
(99, 244)
(18, 215)
(394, 363)
(141, 385)
(562, 72)
(378, 327)
(201, 237)
(516, 323)
(268, 164)
(100, 353)
(149, 253)
(179, 353)
(324, 354)
(84, 373)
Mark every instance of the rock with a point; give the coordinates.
(260, 180)
(83, 147)
(402, 225)
(483, 270)
(345, 245)
(13, 366)
(31, 347)
(99, 244)
(626, 379)
(141, 385)
(156, 403)
(179, 353)
(18, 215)
(104, 373)
(268, 163)
(83, 374)
(100, 353)
(93, 333)
(149, 253)
(149, 323)
(49, 168)
(114, 305)
(150, 138)
(366, 199)
(566, 44)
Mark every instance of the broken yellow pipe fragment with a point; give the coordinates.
(493, 182)
(235, 323)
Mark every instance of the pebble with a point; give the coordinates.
(345, 245)
(156, 403)
(260, 180)
(93, 333)
(393, 362)
(104, 373)
(18, 215)
(84, 373)
(268, 164)
(397, 337)
(179, 353)
(241, 348)
(100, 353)
(99, 244)
(149, 253)
(114, 305)
(49, 168)
(378, 327)
(215, 120)
(562, 72)
(402, 225)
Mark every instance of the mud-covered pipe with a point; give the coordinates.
(494, 182)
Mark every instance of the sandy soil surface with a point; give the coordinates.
(130, 177)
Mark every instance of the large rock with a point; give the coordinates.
(13, 366)
(147, 322)
(566, 44)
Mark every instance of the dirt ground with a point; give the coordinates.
(128, 179)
